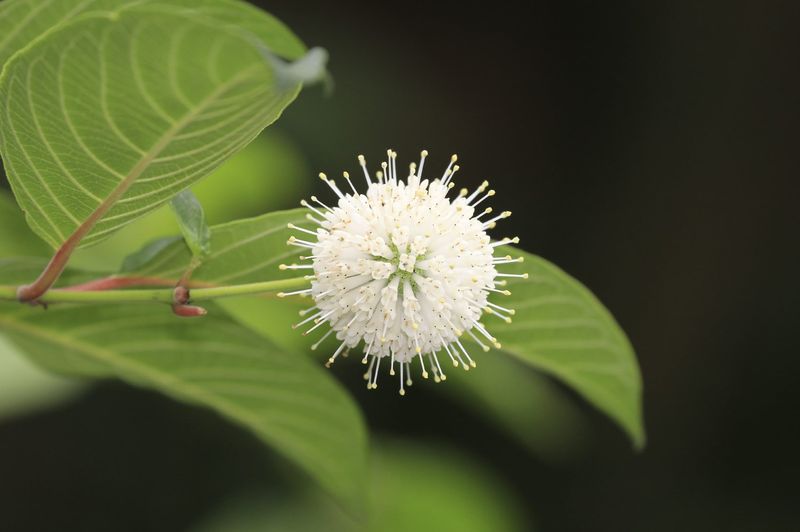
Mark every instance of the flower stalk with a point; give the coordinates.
(156, 295)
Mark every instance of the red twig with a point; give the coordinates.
(111, 283)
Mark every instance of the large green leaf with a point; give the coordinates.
(287, 400)
(110, 114)
(559, 326)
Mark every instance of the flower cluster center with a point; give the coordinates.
(404, 263)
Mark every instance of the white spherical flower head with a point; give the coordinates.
(403, 270)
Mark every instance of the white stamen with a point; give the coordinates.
(363, 163)
(316, 344)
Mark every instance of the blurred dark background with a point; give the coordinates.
(648, 148)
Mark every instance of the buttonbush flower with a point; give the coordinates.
(403, 270)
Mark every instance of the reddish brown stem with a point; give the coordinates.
(35, 290)
(188, 311)
(113, 283)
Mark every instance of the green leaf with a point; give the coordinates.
(241, 252)
(286, 400)
(562, 329)
(109, 115)
(152, 249)
(192, 222)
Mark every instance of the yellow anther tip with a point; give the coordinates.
(282, 267)
(524, 275)
(424, 374)
(424, 153)
(347, 176)
(402, 392)
(323, 176)
(280, 294)
(444, 378)
(454, 157)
